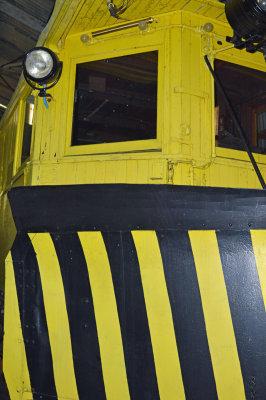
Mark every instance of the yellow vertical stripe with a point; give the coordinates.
(259, 246)
(108, 327)
(219, 326)
(14, 360)
(56, 315)
(160, 318)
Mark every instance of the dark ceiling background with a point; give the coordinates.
(21, 22)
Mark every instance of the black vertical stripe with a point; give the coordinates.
(33, 318)
(247, 308)
(132, 316)
(188, 318)
(80, 309)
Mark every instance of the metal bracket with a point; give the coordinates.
(252, 44)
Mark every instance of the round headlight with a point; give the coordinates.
(247, 18)
(40, 65)
(262, 4)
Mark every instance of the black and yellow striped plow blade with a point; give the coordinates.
(137, 292)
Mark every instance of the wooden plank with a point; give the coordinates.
(21, 16)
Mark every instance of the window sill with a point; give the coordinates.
(114, 148)
(239, 155)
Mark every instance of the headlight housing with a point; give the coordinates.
(248, 20)
(41, 65)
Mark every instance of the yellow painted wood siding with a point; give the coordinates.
(184, 151)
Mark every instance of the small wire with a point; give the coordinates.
(45, 102)
(44, 98)
(115, 11)
(13, 61)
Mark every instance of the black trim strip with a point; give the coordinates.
(117, 207)
(133, 318)
(247, 308)
(184, 295)
(83, 330)
(33, 318)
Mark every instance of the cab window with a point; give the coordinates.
(116, 100)
(27, 129)
(246, 89)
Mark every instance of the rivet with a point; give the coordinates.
(85, 38)
(143, 26)
(208, 27)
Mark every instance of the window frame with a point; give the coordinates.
(255, 112)
(20, 134)
(116, 147)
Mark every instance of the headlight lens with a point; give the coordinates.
(262, 4)
(40, 65)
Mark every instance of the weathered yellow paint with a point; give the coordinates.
(185, 126)
(94, 15)
(183, 153)
(106, 315)
(219, 326)
(259, 246)
(56, 315)
(79, 54)
(15, 362)
(160, 318)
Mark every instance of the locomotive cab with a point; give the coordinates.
(133, 229)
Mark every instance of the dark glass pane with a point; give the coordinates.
(116, 100)
(246, 89)
(27, 130)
